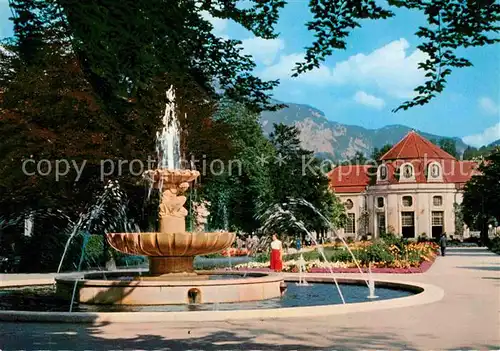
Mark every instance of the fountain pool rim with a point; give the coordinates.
(426, 294)
(90, 279)
(152, 290)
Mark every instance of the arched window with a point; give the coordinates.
(407, 201)
(349, 204)
(434, 171)
(383, 172)
(380, 202)
(407, 171)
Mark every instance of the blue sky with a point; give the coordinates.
(361, 85)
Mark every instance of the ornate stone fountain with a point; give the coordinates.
(172, 249)
(171, 278)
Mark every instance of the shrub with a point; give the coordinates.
(377, 252)
(422, 238)
(494, 245)
(262, 257)
(391, 239)
(340, 255)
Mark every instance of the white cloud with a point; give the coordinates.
(263, 50)
(368, 100)
(392, 68)
(487, 136)
(488, 105)
(219, 24)
(283, 70)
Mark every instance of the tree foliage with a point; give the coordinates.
(481, 203)
(472, 153)
(123, 46)
(378, 153)
(244, 183)
(447, 144)
(297, 174)
(452, 26)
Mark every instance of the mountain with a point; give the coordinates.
(495, 143)
(336, 140)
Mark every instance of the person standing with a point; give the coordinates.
(442, 243)
(276, 254)
(298, 244)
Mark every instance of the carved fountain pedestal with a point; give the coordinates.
(172, 249)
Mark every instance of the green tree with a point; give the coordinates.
(446, 144)
(449, 145)
(359, 158)
(470, 153)
(297, 174)
(245, 182)
(481, 203)
(378, 153)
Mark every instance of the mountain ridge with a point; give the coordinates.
(337, 140)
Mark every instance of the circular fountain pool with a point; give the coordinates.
(30, 301)
(44, 298)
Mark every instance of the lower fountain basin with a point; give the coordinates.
(143, 290)
(320, 297)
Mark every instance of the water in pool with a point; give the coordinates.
(315, 294)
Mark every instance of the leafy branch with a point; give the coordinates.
(453, 24)
(333, 21)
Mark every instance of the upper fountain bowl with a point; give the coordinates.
(170, 244)
(164, 176)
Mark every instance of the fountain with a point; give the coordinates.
(171, 251)
(302, 269)
(371, 284)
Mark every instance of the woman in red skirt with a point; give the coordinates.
(276, 254)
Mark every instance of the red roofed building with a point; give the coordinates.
(412, 192)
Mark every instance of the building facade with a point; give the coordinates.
(412, 191)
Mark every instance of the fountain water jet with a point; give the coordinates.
(371, 284)
(302, 268)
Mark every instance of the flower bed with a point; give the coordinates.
(390, 256)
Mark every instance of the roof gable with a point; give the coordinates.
(414, 146)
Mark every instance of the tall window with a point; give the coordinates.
(350, 227)
(407, 201)
(408, 224)
(407, 219)
(381, 223)
(437, 218)
(437, 221)
(380, 202)
(437, 200)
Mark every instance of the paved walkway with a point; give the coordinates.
(468, 318)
